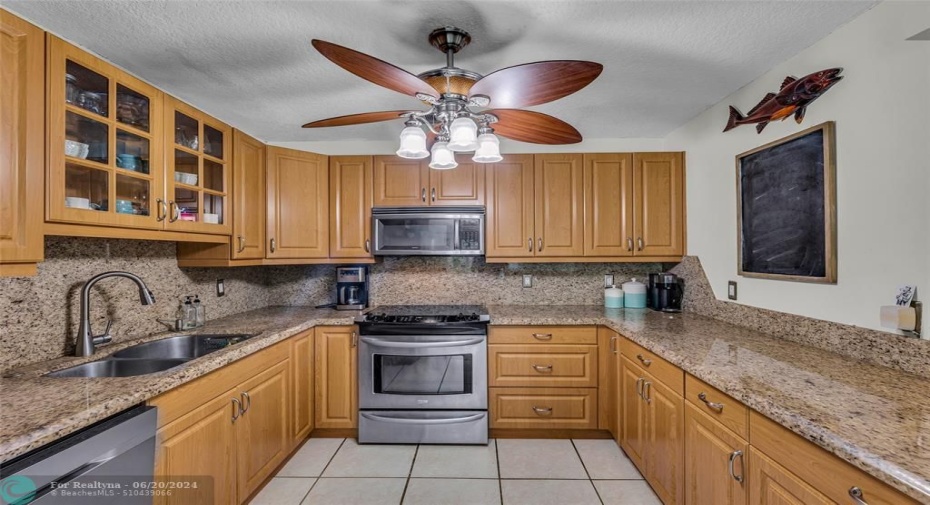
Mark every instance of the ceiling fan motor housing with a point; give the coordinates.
(449, 38)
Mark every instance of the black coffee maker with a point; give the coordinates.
(665, 292)
(351, 288)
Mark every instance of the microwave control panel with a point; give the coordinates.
(470, 234)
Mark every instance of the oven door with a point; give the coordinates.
(423, 372)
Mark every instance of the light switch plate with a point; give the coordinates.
(731, 290)
(220, 287)
(608, 280)
(527, 281)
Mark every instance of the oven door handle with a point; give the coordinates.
(380, 342)
(405, 420)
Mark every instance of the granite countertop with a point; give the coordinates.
(878, 419)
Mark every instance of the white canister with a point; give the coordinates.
(613, 298)
(634, 294)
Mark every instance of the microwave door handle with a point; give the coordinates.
(455, 234)
(380, 342)
(404, 420)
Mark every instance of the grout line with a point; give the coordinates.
(590, 480)
(500, 482)
(320, 476)
(409, 473)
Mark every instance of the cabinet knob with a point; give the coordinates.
(644, 360)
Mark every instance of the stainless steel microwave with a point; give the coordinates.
(428, 231)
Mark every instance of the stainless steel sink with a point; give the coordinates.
(181, 347)
(118, 368)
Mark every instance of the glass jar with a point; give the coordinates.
(72, 91)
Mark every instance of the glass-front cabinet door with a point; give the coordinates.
(105, 143)
(198, 174)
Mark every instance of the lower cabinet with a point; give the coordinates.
(772, 484)
(715, 461)
(610, 404)
(262, 427)
(301, 386)
(335, 377)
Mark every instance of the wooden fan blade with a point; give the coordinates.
(536, 83)
(351, 119)
(533, 127)
(372, 69)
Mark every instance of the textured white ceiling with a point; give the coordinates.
(250, 63)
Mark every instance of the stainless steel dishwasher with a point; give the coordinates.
(112, 461)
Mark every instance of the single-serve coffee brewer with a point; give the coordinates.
(665, 292)
(351, 288)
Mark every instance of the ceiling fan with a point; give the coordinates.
(458, 118)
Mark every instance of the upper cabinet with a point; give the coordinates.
(350, 198)
(659, 204)
(105, 164)
(400, 182)
(511, 218)
(297, 204)
(22, 135)
(559, 205)
(608, 189)
(248, 197)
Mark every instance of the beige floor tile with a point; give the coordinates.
(604, 460)
(289, 491)
(549, 492)
(452, 492)
(539, 459)
(356, 492)
(311, 458)
(461, 461)
(353, 460)
(626, 492)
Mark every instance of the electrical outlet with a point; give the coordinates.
(731, 290)
(220, 287)
(608, 280)
(527, 281)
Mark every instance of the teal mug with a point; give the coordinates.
(127, 161)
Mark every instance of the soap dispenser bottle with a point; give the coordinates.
(200, 315)
(186, 314)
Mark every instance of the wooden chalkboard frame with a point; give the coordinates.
(829, 211)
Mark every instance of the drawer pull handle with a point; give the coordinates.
(739, 478)
(711, 405)
(639, 387)
(644, 360)
(856, 494)
(542, 411)
(237, 409)
(246, 402)
(542, 336)
(646, 388)
(529, 242)
(613, 347)
(543, 368)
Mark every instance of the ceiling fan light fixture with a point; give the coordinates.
(489, 149)
(442, 157)
(412, 143)
(463, 135)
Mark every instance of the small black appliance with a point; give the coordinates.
(351, 288)
(665, 292)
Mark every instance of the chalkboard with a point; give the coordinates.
(787, 208)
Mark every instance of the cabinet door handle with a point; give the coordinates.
(433, 194)
(368, 245)
(354, 341)
(274, 245)
(237, 409)
(639, 387)
(640, 243)
(644, 360)
(542, 336)
(246, 402)
(162, 212)
(629, 243)
(175, 212)
(539, 247)
(613, 347)
(529, 243)
(742, 469)
(647, 387)
(423, 194)
(542, 411)
(543, 368)
(241, 243)
(858, 497)
(711, 405)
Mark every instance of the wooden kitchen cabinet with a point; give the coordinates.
(297, 204)
(262, 428)
(559, 187)
(350, 197)
(248, 198)
(400, 182)
(659, 204)
(712, 452)
(771, 484)
(301, 386)
(609, 386)
(633, 419)
(335, 377)
(22, 135)
(608, 198)
(510, 223)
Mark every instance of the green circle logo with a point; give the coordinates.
(17, 489)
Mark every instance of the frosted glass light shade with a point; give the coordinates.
(412, 143)
(489, 149)
(443, 158)
(462, 135)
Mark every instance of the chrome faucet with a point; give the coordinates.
(86, 340)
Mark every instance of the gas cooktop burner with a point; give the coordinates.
(425, 314)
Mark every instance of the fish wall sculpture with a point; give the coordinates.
(793, 98)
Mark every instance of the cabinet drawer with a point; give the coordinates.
(721, 407)
(669, 374)
(825, 472)
(543, 365)
(542, 335)
(572, 408)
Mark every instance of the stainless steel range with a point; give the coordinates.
(423, 375)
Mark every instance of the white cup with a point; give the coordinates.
(77, 202)
(211, 218)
